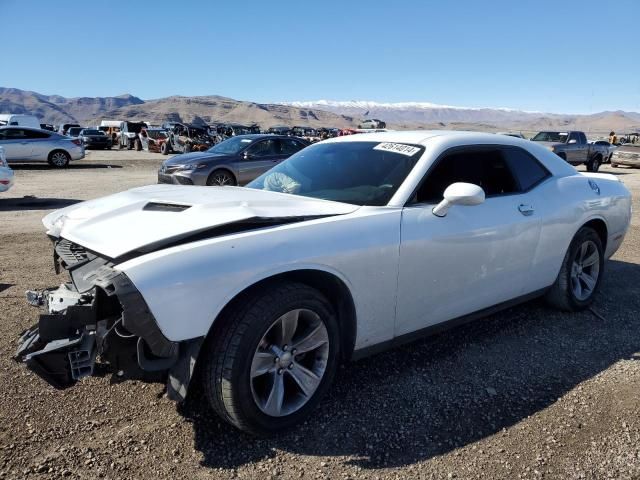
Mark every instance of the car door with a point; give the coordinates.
(40, 144)
(257, 159)
(15, 143)
(575, 151)
(474, 257)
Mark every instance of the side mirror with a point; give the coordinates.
(247, 155)
(459, 194)
(572, 141)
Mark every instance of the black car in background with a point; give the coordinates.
(235, 161)
(94, 138)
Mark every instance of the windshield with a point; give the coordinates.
(74, 131)
(92, 132)
(560, 137)
(231, 146)
(361, 173)
(157, 134)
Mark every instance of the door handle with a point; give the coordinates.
(525, 209)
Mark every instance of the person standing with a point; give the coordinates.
(613, 140)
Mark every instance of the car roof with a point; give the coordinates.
(6, 127)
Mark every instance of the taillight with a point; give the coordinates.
(77, 141)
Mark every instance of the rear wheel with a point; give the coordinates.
(580, 274)
(164, 148)
(272, 359)
(594, 163)
(220, 178)
(59, 159)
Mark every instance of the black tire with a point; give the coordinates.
(138, 144)
(164, 148)
(59, 159)
(187, 148)
(216, 177)
(594, 164)
(129, 144)
(228, 355)
(561, 294)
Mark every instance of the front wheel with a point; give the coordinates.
(220, 178)
(271, 360)
(580, 274)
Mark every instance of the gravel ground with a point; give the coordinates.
(527, 393)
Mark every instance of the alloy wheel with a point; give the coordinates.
(59, 159)
(221, 179)
(585, 270)
(289, 363)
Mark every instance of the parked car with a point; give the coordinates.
(572, 147)
(628, 155)
(372, 123)
(234, 129)
(350, 246)
(23, 144)
(94, 138)
(74, 131)
(128, 137)
(185, 138)
(63, 129)
(235, 161)
(152, 139)
(280, 130)
(13, 119)
(607, 149)
(111, 128)
(6, 174)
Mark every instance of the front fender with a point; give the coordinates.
(187, 286)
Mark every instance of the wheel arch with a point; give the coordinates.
(330, 285)
(224, 168)
(58, 149)
(600, 226)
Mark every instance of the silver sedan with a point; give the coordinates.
(23, 144)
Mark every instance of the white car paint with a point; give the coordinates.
(405, 268)
(6, 174)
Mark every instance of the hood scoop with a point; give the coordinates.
(165, 207)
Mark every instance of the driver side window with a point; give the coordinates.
(485, 167)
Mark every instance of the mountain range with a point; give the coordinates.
(212, 109)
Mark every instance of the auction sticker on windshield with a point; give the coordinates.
(400, 148)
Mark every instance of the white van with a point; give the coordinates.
(7, 119)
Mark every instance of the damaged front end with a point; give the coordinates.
(98, 317)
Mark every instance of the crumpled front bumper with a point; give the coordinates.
(110, 321)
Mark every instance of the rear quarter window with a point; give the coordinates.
(528, 171)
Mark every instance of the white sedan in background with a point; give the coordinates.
(350, 246)
(23, 144)
(6, 174)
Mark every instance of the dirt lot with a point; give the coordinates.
(528, 393)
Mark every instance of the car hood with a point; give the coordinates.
(149, 217)
(196, 157)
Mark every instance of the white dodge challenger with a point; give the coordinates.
(351, 246)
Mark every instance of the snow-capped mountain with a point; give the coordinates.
(420, 112)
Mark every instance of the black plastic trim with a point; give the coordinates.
(443, 326)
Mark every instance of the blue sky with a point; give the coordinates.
(545, 55)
